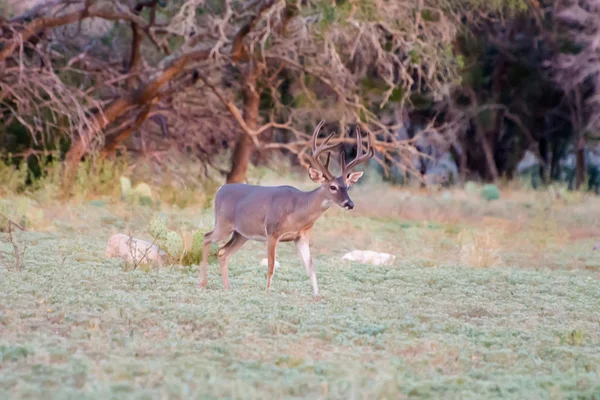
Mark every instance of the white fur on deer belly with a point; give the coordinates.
(265, 263)
(369, 257)
(256, 238)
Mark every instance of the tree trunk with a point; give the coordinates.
(464, 158)
(142, 96)
(244, 145)
(580, 162)
(544, 170)
(481, 132)
(460, 157)
(240, 159)
(557, 152)
(489, 154)
(261, 156)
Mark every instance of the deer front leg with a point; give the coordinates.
(302, 243)
(271, 249)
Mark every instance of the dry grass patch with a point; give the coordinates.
(480, 249)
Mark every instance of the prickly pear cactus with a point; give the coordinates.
(174, 244)
(490, 192)
(125, 186)
(158, 226)
(143, 190)
(197, 245)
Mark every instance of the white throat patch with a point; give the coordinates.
(326, 203)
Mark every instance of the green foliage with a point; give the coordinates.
(301, 100)
(328, 13)
(194, 255)
(98, 203)
(414, 56)
(338, 13)
(96, 175)
(567, 46)
(158, 227)
(13, 353)
(490, 192)
(141, 193)
(22, 210)
(508, 7)
(471, 187)
(430, 15)
(421, 101)
(397, 95)
(210, 188)
(174, 245)
(12, 178)
(197, 243)
(125, 187)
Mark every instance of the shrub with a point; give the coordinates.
(490, 192)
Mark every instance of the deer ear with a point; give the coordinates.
(353, 177)
(316, 175)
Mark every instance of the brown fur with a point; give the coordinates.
(276, 214)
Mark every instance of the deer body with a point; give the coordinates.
(276, 214)
(257, 212)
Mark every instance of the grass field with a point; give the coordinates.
(484, 300)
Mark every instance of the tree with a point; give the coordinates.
(304, 62)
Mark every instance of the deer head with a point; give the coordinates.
(335, 189)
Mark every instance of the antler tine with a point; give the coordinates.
(343, 161)
(315, 134)
(360, 156)
(318, 150)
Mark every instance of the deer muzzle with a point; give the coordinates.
(348, 205)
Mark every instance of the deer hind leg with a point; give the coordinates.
(236, 242)
(271, 250)
(204, 263)
(302, 243)
(213, 236)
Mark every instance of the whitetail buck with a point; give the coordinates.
(276, 214)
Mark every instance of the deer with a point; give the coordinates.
(278, 214)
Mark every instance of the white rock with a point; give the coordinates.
(369, 257)
(133, 250)
(265, 263)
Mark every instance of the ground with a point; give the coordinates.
(484, 300)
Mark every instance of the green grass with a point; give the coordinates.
(436, 324)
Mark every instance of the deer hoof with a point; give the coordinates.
(203, 284)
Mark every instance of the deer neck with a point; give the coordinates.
(316, 204)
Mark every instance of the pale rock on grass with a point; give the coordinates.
(369, 257)
(133, 250)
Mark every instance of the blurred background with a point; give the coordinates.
(185, 92)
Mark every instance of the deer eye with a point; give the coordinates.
(332, 188)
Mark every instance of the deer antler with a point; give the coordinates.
(360, 156)
(317, 151)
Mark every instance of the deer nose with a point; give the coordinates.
(348, 205)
